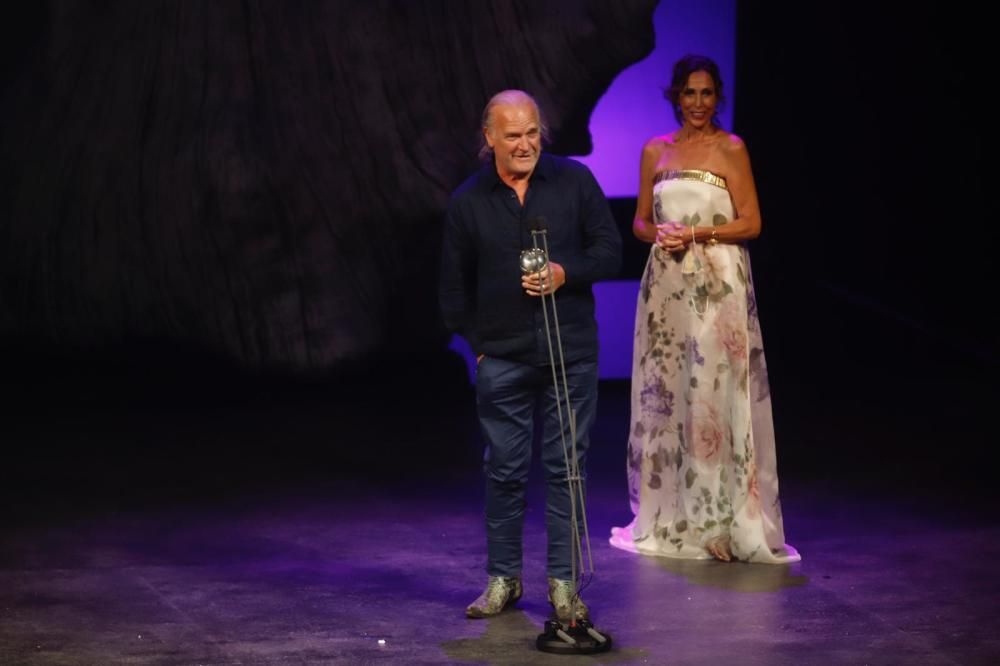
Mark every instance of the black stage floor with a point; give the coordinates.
(157, 519)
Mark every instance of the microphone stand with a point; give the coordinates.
(576, 636)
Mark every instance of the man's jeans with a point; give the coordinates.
(506, 394)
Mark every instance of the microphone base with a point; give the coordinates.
(579, 638)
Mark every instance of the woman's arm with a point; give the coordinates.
(643, 224)
(741, 185)
(739, 180)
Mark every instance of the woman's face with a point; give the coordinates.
(698, 100)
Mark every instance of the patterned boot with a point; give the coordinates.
(561, 593)
(500, 592)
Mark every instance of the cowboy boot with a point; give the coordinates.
(500, 592)
(561, 593)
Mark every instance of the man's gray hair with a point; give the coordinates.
(511, 97)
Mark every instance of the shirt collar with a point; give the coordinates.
(543, 171)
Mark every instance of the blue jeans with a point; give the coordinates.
(507, 393)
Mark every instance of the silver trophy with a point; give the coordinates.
(534, 260)
(578, 636)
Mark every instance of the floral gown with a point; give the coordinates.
(701, 460)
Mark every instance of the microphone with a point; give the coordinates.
(538, 224)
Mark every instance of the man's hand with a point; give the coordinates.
(551, 278)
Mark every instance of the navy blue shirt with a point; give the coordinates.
(485, 231)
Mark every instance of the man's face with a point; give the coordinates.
(515, 136)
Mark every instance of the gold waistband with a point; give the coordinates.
(691, 174)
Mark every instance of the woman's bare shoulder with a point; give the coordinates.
(668, 139)
(656, 145)
(732, 144)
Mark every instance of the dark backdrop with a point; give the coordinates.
(265, 180)
(871, 137)
(210, 210)
(868, 126)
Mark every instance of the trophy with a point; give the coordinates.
(575, 636)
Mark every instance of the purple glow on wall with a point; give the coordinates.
(633, 109)
(630, 112)
(615, 302)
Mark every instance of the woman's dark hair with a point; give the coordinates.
(683, 69)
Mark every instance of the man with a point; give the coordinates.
(486, 299)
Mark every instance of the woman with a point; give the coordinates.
(701, 463)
